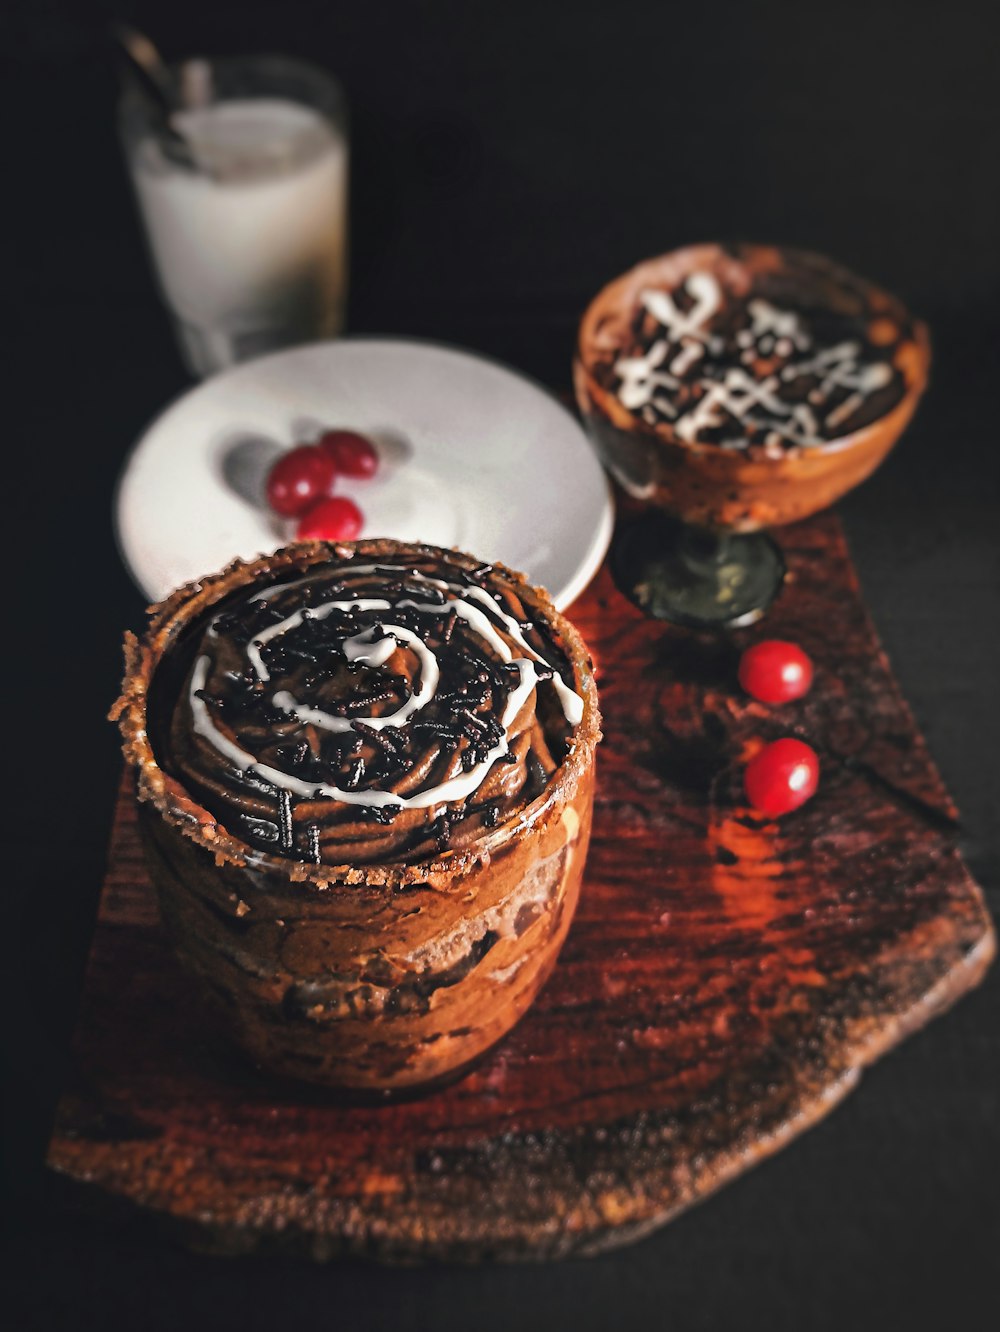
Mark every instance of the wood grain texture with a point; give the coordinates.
(724, 982)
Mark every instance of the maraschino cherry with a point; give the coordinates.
(781, 777)
(335, 519)
(350, 453)
(298, 479)
(300, 485)
(774, 671)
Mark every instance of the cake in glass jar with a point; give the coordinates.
(365, 776)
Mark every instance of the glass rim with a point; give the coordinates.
(329, 96)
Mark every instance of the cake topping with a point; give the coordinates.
(373, 711)
(781, 365)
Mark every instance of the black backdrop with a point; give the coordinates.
(507, 161)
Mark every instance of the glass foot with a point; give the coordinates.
(695, 577)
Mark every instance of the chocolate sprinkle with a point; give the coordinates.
(383, 814)
(365, 701)
(262, 829)
(285, 827)
(457, 728)
(375, 736)
(441, 831)
(312, 834)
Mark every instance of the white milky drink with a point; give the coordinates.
(250, 242)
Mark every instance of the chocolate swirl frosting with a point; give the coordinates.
(372, 711)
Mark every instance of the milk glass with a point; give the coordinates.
(245, 214)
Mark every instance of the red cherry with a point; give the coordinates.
(775, 671)
(298, 479)
(781, 777)
(350, 453)
(337, 519)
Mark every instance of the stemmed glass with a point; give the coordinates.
(718, 450)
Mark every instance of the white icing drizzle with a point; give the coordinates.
(293, 622)
(838, 367)
(479, 622)
(421, 696)
(707, 296)
(203, 723)
(640, 376)
(365, 648)
(768, 319)
(572, 703)
(686, 357)
(646, 388)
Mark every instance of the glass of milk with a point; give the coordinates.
(245, 205)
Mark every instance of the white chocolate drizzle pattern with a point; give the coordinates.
(373, 646)
(726, 392)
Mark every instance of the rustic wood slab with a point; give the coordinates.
(724, 983)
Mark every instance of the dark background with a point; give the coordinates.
(507, 162)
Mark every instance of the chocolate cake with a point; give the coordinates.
(366, 778)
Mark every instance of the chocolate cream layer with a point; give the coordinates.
(748, 356)
(369, 712)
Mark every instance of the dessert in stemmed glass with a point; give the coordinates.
(735, 388)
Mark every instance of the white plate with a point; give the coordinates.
(474, 456)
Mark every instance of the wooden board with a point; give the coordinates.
(725, 981)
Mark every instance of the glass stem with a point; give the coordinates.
(703, 549)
